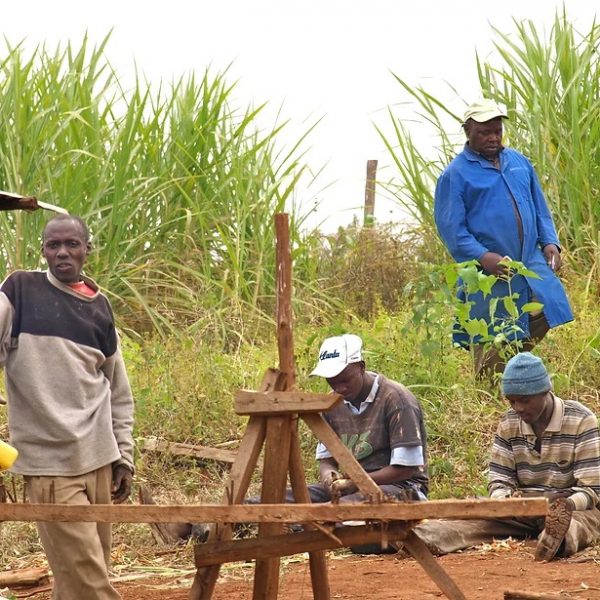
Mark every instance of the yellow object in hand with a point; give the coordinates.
(8, 455)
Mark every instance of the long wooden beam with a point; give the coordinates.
(187, 450)
(276, 513)
(294, 543)
(270, 403)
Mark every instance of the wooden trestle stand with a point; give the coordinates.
(274, 412)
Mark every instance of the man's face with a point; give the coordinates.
(349, 382)
(485, 138)
(530, 408)
(65, 249)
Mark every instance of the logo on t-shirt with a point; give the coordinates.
(358, 444)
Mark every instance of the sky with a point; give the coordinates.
(312, 60)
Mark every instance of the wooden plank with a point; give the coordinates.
(276, 464)
(271, 403)
(24, 577)
(420, 552)
(285, 334)
(276, 513)
(344, 457)
(516, 595)
(242, 469)
(239, 480)
(317, 559)
(295, 543)
(189, 450)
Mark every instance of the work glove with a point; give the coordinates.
(121, 483)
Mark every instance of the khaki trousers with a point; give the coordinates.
(445, 536)
(78, 553)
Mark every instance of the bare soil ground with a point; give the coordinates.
(483, 574)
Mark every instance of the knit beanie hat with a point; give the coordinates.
(525, 375)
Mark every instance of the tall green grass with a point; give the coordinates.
(553, 90)
(178, 186)
(551, 86)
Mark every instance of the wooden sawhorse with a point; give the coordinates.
(273, 421)
(274, 412)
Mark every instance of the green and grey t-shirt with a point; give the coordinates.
(386, 429)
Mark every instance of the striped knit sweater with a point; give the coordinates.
(70, 408)
(569, 459)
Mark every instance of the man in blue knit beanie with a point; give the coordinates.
(544, 446)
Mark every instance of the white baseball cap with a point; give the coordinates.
(336, 353)
(484, 110)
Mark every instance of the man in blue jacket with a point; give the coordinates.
(489, 206)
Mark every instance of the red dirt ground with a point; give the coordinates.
(482, 575)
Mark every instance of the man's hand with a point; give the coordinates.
(551, 496)
(121, 485)
(491, 263)
(330, 478)
(552, 255)
(342, 487)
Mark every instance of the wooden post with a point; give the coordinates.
(317, 559)
(276, 464)
(285, 334)
(287, 365)
(277, 444)
(369, 216)
(420, 552)
(282, 447)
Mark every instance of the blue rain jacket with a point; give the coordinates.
(474, 214)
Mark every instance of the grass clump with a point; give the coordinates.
(365, 269)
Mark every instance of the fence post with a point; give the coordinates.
(369, 216)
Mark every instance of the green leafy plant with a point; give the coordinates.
(449, 288)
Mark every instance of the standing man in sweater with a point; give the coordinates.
(70, 407)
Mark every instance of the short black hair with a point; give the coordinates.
(78, 220)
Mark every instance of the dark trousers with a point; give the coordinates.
(488, 361)
(445, 536)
